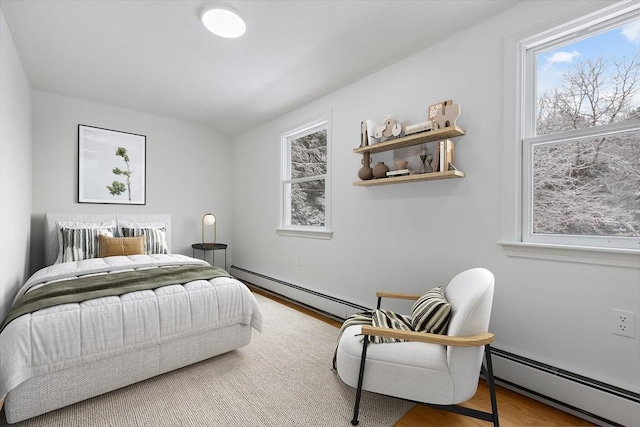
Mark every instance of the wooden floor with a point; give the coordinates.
(514, 409)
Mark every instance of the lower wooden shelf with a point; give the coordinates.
(410, 178)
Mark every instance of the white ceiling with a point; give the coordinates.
(155, 56)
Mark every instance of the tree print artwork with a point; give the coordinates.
(116, 188)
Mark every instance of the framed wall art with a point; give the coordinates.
(111, 166)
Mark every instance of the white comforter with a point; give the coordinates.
(67, 335)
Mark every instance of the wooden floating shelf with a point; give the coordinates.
(411, 140)
(410, 178)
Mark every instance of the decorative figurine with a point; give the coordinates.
(447, 115)
(389, 129)
(433, 110)
(425, 161)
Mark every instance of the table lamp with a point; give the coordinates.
(209, 219)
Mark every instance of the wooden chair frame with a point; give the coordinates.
(484, 339)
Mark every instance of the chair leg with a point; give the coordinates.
(492, 416)
(492, 386)
(363, 359)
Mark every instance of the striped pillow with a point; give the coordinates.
(82, 243)
(155, 238)
(431, 312)
(108, 225)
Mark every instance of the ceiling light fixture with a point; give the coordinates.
(224, 22)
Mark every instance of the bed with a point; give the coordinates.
(88, 324)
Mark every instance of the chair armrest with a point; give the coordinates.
(468, 341)
(397, 295)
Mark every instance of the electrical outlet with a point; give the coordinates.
(299, 260)
(623, 323)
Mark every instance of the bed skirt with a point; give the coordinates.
(46, 393)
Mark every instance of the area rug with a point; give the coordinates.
(282, 378)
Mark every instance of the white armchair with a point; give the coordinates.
(431, 369)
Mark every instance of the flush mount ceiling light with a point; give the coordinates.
(224, 22)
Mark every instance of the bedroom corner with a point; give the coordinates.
(15, 169)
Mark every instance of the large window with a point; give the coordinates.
(581, 132)
(305, 180)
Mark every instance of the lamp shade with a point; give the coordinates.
(208, 219)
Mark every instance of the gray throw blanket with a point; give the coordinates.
(96, 286)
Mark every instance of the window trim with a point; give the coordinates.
(317, 232)
(527, 48)
(629, 258)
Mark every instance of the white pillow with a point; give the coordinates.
(108, 227)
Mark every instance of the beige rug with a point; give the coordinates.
(282, 378)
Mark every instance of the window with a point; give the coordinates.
(305, 180)
(580, 132)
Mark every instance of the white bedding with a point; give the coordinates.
(68, 335)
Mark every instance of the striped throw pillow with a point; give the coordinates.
(431, 312)
(108, 225)
(155, 238)
(82, 243)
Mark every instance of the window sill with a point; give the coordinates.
(310, 234)
(582, 254)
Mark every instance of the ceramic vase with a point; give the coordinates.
(380, 170)
(365, 172)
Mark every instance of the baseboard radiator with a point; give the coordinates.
(600, 403)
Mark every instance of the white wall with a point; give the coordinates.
(189, 168)
(15, 170)
(410, 237)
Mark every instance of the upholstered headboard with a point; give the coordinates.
(51, 229)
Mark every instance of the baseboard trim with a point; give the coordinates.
(301, 289)
(568, 375)
(565, 407)
(295, 302)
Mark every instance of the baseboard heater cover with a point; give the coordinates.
(342, 305)
(623, 395)
(568, 375)
(606, 392)
(297, 303)
(565, 407)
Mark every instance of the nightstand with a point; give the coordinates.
(204, 247)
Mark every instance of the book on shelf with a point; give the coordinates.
(446, 155)
(399, 172)
(451, 153)
(436, 159)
